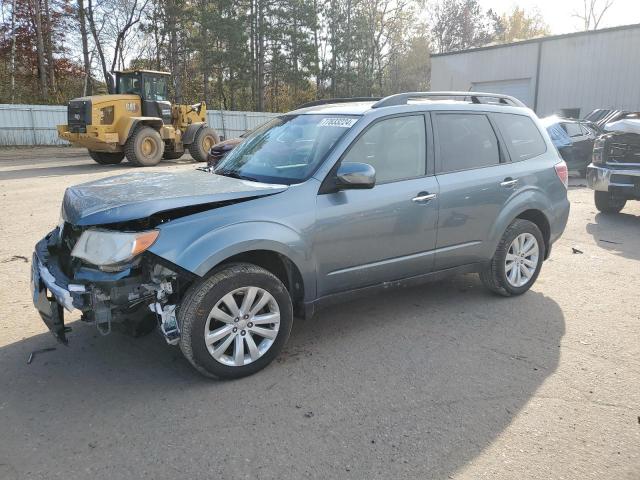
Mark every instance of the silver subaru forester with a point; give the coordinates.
(336, 199)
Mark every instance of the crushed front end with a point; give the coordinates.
(133, 296)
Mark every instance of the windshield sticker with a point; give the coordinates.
(341, 122)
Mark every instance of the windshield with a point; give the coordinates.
(287, 149)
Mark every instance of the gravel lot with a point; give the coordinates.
(441, 381)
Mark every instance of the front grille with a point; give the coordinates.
(623, 149)
(79, 115)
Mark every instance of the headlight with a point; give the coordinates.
(106, 248)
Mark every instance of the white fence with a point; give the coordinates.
(36, 124)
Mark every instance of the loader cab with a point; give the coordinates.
(152, 88)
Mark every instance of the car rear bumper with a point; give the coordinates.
(622, 181)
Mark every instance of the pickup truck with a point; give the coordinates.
(614, 173)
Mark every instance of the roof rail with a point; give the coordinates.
(325, 101)
(475, 97)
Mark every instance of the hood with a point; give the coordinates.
(136, 196)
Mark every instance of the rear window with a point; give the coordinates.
(465, 141)
(521, 136)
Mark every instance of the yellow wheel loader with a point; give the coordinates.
(138, 122)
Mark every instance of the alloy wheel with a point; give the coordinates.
(242, 326)
(521, 261)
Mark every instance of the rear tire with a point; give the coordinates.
(144, 147)
(238, 348)
(606, 203)
(107, 158)
(204, 139)
(497, 275)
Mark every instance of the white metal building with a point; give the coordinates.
(566, 74)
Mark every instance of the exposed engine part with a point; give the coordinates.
(168, 321)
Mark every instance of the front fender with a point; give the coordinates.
(127, 125)
(201, 254)
(190, 133)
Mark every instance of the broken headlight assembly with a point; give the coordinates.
(110, 250)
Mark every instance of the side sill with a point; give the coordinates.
(311, 308)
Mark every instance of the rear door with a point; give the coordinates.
(475, 179)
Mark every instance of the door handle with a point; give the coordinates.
(424, 197)
(509, 182)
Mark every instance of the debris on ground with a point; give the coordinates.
(35, 352)
(610, 241)
(575, 250)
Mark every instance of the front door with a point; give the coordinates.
(366, 237)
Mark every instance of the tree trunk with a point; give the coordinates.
(88, 87)
(173, 50)
(108, 79)
(48, 44)
(13, 51)
(42, 72)
(260, 58)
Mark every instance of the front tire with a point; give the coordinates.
(145, 147)
(606, 203)
(517, 261)
(204, 139)
(235, 322)
(107, 158)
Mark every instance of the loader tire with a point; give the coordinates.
(204, 139)
(107, 158)
(144, 147)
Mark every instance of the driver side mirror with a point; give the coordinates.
(355, 175)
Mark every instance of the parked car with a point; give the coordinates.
(602, 116)
(220, 149)
(574, 140)
(317, 206)
(614, 174)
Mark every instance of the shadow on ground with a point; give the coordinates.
(412, 384)
(617, 233)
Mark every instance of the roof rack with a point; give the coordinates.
(475, 97)
(325, 101)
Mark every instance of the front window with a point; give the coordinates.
(129, 84)
(155, 89)
(287, 149)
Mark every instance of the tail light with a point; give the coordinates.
(563, 173)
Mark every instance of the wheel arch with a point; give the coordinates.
(542, 222)
(190, 132)
(530, 205)
(133, 122)
(278, 264)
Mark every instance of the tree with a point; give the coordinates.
(592, 12)
(461, 24)
(521, 25)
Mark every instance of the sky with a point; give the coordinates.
(558, 13)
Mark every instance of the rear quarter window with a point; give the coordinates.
(521, 135)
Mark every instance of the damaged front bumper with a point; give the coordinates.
(144, 292)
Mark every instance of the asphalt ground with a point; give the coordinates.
(440, 381)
